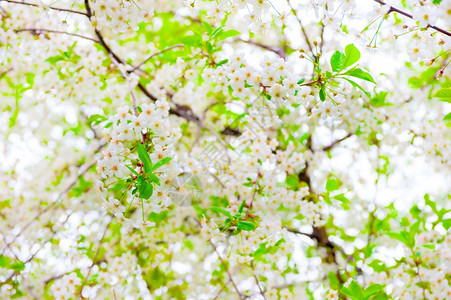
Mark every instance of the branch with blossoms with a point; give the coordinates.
(266, 148)
(81, 171)
(394, 9)
(47, 7)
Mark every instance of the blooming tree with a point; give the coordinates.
(256, 149)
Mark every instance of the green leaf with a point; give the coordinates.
(224, 61)
(443, 93)
(221, 210)
(301, 81)
(145, 188)
(446, 223)
(357, 290)
(337, 61)
(357, 86)
(133, 171)
(403, 237)
(379, 100)
(378, 265)
(292, 182)
(334, 282)
(160, 163)
(96, 119)
(5, 203)
(154, 178)
(447, 118)
(17, 266)
(145, 158)
(226, 34)
(240, 210)
(359, 73)
(322, 94)
(352, 56)
(194, 40)
(54, 59)
(207, 27)
(246, 226)
(5, 261)
(345, 201)
(373, 289)
(332, 184)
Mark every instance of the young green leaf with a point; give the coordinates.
(359, 73)
(332, 184)
(160, 163)
(133, 171)
(145, 188)
(246, 226)
(333, 280)
(403, 237)
(154, 178)
(240, 210)
(353, 83)
(144, 157)
(5, 261)
(379, 100)
(352, 56)
(226, 34)
(207, 27)
(357, 290)
(337, 61)
(443, 93)
(322, 94)
(221, 210)
(373, 289)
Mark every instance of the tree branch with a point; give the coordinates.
(63, 194)
(394, 9)
(307, 40)
(155, 54)
(277, 50)
(45, 6)
(334, 143)
(95, 257)
(37, 31)
(227, 270)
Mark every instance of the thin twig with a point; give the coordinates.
(302, 28)
(277, 50)
(336, 142)
(155, 54)
(95, 257)
(257, 282)
(394, 9)
(227, 270)
(222, 288)
(61, 196)
(37, 31)
(49, 7)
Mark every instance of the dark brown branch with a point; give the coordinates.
(49, 7)
(5, 72)
(336, 142)
(394, 9)
(181, 111)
